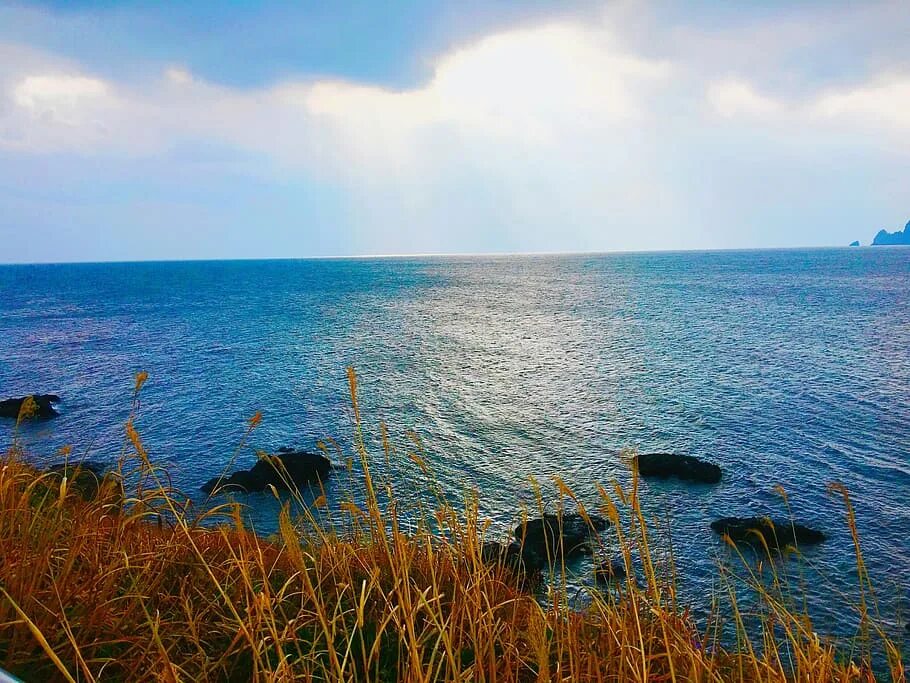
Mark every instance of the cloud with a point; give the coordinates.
(178, 75)
(510, 96)
(531, 86)
(49, 105)
(886, 101)
(736, 98)
(51, 94)
(563, 135)
(524, 84)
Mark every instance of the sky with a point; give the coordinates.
(147, 130)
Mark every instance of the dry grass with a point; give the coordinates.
(138, 588)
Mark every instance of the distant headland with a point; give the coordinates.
(891, 238)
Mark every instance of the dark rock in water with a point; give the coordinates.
(287, 470)
(492, 552)
(10, 407)
(885, 238)
(777, 533)
(610, 570)
(554, 535)
(855, 243)
(85, 478)
(243, 481)
(687, 467)
(520, 560)
(287, 450)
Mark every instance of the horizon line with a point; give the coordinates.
(442, 254)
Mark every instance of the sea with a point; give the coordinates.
(789, 368)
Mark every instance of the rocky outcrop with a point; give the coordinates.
(286, 470)
(686, 467)
(885, 238)
(555, 535)
(44, 406)
(610, 570)
(545, 540)
(519, 560)
(855, 243)
(776, 533)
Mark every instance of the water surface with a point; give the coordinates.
(785, 367)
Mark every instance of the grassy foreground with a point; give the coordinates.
(133, 585)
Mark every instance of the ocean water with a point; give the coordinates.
(787, 367)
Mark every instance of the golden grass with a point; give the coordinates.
(139, 588)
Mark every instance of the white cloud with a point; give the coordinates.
(548, 85)
(508, 97)
(53, 111)
(52, 93)
(532, 76)
(737, 98)
(529, 85)
(178, 76)
(885, 101)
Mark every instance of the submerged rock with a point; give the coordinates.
(687, 467)
(286, 470)
(610, 570)
(777, 533)
(44, 403)
(520, 560)
(554, 535)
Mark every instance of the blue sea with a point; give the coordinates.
(787, 367)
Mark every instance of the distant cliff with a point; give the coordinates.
(888, 238)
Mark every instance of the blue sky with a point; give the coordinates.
(219, 130)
